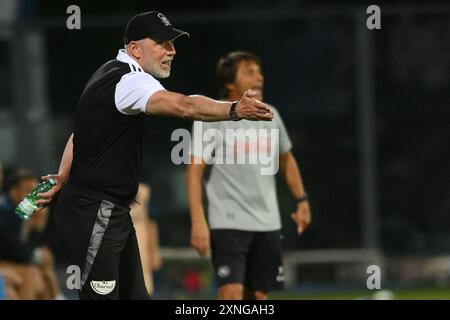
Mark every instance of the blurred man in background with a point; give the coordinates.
(244, 228)
(21, 242)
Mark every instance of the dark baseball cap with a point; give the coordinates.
(153, 25)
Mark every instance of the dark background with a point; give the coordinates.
(310, 53)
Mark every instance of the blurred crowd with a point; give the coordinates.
(31, 257)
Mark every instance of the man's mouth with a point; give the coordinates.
(167, 63)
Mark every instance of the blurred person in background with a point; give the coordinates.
(244, 225)
(21, 242)
(155, 252)
(147, 235)
(10, 281)
(11, 278)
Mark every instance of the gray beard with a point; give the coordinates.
(160, 74)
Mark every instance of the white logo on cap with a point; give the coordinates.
(164, 19)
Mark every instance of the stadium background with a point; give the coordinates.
(367, 112)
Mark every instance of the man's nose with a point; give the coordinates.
(260, 77)
(171, 48)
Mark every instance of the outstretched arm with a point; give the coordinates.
(197, 107)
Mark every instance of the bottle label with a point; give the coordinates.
(27, 207)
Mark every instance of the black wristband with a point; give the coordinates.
(232, 113)
(302, 198)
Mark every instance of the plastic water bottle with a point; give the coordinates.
(28, 205)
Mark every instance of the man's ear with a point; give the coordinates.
(135, 50)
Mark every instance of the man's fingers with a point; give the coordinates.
(300, 221)
(203, 251)
(263, 107)
(42, 205)
(204, 245)
(307, 217)
(196, 246)
(43, 201)
(49, 176)
(263, 111)
(264, 116)
(251, 108)
(48, 194)
(308, 221)
(201, 246)
(199, 251)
